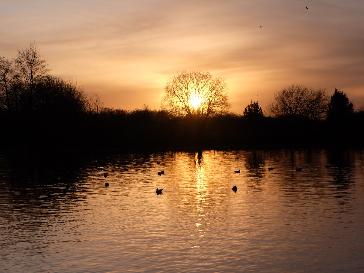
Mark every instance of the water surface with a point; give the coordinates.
(304, 215)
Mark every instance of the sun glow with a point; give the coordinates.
(195, 101)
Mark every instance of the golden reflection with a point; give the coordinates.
(201, 185)
(201, 196)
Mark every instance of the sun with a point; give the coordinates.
(195, 101)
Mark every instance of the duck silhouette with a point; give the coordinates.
(161, 172)
(107, 185)
(159, 191)
(237, 171)
(235, 189)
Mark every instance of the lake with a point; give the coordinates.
(294, 211)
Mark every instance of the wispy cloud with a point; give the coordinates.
(126, 50)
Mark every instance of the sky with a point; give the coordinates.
(126, 51)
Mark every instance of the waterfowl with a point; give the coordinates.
(159, 191)
(161, 172)
(106, 184)
(237, 171)
(235, 189)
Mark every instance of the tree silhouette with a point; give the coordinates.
(25, 85)
(253, 111)
(54, 95)
(30, 68)
(299, 101)
(6, 70)
(339, 107)
(195, 93)
(94, 104)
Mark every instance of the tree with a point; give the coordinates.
(299, 101)
(25, 85)
(340, 106)
(31, 67)
(94, 104)
(54, 95)
(195, 94)
(6, 69)
(253, 111)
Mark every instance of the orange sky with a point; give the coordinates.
(125, 51)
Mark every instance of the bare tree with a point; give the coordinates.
(94, 103)
(300, 101)
(6, 69)
(195, 93)
(30, 67)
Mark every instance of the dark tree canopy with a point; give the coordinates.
(340, 106)
(54, 95)
(301, 102)
(253, 111)
(195, 93)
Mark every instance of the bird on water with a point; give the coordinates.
(159, 191)
(161, 172)
(237, 171)
(235, 189)
(107, 185)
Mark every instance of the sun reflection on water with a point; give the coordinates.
(201, 196)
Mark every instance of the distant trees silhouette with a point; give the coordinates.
(298, 101)
(253, 111)
(41, 111)
(25, 86)
(339, 107)
(195, 94)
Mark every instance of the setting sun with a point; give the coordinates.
(195, 101)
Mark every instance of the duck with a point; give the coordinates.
(159, 191)
(235, 188)
(107, 184)
(237, 171)
(161, 172)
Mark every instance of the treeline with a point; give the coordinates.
(41, 112)
(140, 130)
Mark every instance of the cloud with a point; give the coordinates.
(130, 48)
